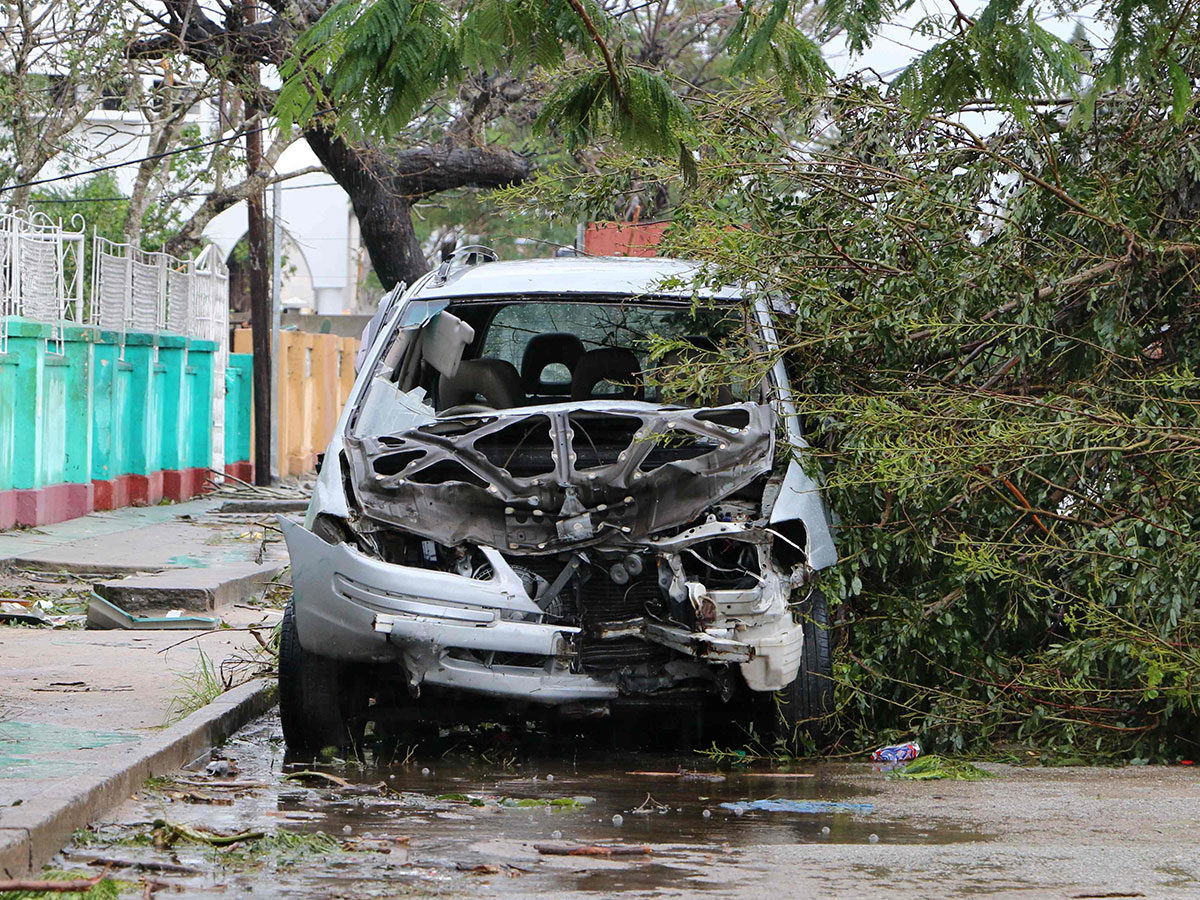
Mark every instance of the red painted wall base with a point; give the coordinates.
(8, 509)
(59, 502)
(184, 484)
(146, 490)
(113, 493)
(243, 470)
(30, 508)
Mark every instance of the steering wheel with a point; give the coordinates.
(464, 409)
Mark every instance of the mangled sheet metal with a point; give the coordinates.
(564, 476)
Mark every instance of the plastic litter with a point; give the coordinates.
(897, 752)
(800, 806)
(104, 615)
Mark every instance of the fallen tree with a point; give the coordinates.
(992, 336)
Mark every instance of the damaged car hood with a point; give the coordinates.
(543, 479)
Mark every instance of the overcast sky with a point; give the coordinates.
(897, 43)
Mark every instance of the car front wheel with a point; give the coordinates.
(802, 709)
(321, 701)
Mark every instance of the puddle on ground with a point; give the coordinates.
(448, 822)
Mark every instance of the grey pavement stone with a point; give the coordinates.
(199, 589)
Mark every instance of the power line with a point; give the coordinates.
(173, 197)
(131, 162)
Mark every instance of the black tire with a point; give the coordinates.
(804, 706)
(322, 702)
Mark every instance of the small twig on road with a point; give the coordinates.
(222, 630)
(593, 850)
(312, 773)
(168, 868)
(76, 886)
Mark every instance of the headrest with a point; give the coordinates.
(614, 365)
(546, 350)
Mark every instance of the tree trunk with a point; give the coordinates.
(384, 216)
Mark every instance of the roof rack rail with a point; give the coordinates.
(470, 255)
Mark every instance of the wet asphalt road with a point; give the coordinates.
(472, 816)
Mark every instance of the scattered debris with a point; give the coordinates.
(479, 869)
(103, 615)
(222, 768)
(650, 805)
(294, 815)
(167, 868)
(312, 773)
(66, 886)
(14, 612)
(552, 803)
(222, 785)
(79, 687)
(368, 845)
(151, 885)
(195, 797)
(799, 806)
(167, 834)
(683, 775)
(605, 850)
(934, 768)
(264, 505)
(897, 752)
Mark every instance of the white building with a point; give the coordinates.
(324, 260)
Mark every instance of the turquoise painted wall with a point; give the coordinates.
(200, 405)
(91, 413)
(239, 400)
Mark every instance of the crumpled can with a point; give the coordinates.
(897, 752)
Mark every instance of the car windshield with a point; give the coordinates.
(530, 352)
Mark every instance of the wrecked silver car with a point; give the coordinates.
(517, 508)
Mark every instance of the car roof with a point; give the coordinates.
(583, 275)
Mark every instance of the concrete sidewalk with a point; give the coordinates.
(182, 535)
(85, 716)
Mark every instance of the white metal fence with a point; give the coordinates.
(135, 290)
(41, 272)
(42, 266)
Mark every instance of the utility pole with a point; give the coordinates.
(276, 307)
(260, 300)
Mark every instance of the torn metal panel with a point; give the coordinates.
(700, 644)
(564, 475)
(800, 498)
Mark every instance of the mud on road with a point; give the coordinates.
(493, 815)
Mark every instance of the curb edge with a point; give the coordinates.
(31, 835)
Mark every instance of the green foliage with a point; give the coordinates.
(938, 768)
(994, 337)
(374, 66)
(857, 18)
(106, 889)
(198, 688)
(381, 61)
(639, 109)
(1004, 55)
(386, 57)
(770, 40)
(518, 35)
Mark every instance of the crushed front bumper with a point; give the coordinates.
(448, 630)
(353, 608)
